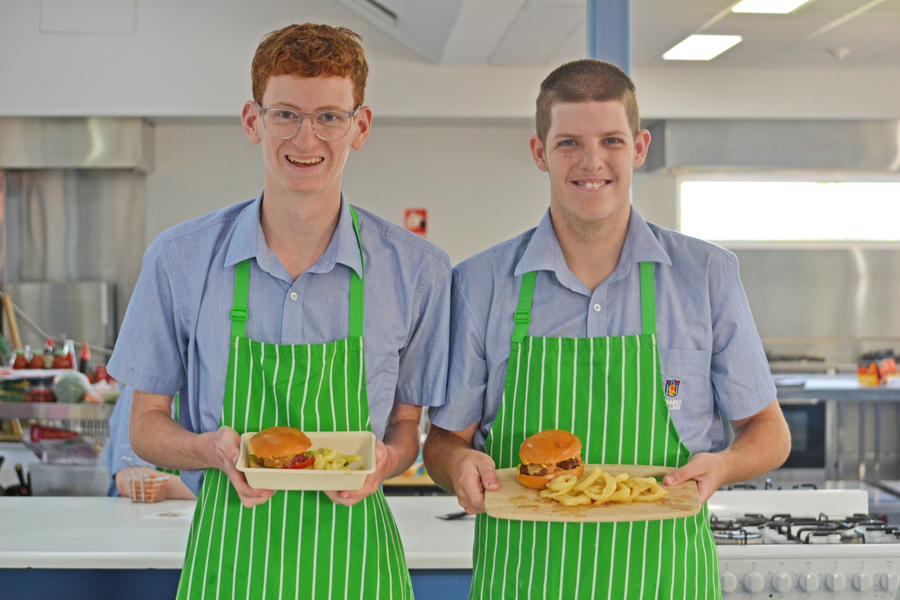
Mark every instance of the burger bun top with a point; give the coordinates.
(549, 447)
(278, 441)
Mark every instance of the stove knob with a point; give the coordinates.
(754, 582)
(729, 582)
(836, 582)
(782, 582)
(809, 582)
(863, 581)
(890, 581)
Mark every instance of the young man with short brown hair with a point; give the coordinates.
(575, 325)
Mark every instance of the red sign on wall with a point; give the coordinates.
(416, 220)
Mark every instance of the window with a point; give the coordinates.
(762, 210)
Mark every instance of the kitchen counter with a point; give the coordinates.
(66, 539)
(843, 393)
(834, 387)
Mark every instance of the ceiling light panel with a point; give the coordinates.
(778, 7)
(702, 47)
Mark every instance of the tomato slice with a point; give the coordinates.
(301, 461)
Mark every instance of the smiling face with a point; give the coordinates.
(305, 166)
(590, 153)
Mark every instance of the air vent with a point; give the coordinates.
(380, 10)
(774, 145)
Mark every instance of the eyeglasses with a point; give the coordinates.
(328, 125)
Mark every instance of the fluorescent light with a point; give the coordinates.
(702, 47)
(778, 7)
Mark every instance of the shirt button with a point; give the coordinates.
(597, 308)
(293, 295)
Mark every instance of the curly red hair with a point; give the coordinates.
(310, 50)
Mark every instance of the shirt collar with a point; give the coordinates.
(544, 253)
(248, 241)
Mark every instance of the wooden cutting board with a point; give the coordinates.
(517, 502)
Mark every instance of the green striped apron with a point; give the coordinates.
(608, 392)
(298, 544)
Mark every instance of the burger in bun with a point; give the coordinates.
(279, 448)
(548, 454)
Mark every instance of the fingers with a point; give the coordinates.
(475, 475)
(227, 448)
(350, 497)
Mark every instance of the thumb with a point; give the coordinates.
(489, 478)
(679, 475)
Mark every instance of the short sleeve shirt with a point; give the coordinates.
(711, 358)
(176, 331)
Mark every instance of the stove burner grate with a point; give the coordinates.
(786, 529)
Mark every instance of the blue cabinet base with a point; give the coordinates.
(161, 584)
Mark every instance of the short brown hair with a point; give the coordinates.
(310, 50)
(586, 80)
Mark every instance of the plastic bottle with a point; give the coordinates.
(84, 362)
(59, 359)
(70, 354)
(36, 361)
(48, 354)
(22, 358)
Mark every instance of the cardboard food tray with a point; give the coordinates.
(345, 442)
(517, 502)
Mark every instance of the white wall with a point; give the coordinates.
(477, 180)
(192, 58)
(186, 66)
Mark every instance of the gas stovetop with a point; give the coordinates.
(803, 544)
(788, 529)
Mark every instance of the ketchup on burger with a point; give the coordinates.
(280, 448)
(548, 454)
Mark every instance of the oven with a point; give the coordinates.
(805, 543)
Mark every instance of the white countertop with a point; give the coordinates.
(115, 533)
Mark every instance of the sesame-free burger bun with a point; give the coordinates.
(278, 441)
(546, 455)
(549, 446)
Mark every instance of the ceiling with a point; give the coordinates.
(822, 34)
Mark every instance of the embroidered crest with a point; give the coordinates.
(672, 387)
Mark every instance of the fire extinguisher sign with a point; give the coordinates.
(416, 220)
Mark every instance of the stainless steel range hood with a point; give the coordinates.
(683, 145)
(73, 207)
(76, 143)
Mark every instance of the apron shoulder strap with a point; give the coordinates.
(241, 292)
(357, 290)
(648, 299)
(522, 315)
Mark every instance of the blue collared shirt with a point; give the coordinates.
(708, 341)
(175, 335)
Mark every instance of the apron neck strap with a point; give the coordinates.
(357, 291)
(522, 316)
(242, 293)
(648, 299)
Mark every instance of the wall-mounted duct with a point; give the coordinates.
(76, 143)
(773, 145)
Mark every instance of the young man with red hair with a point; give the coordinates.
(265, 304)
